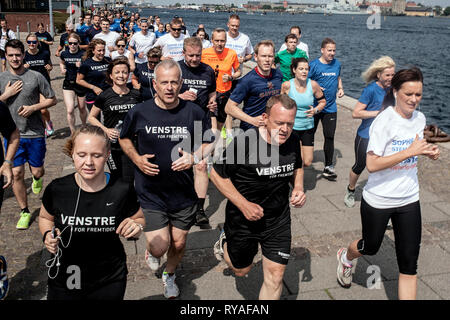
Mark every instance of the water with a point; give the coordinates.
(423, 42)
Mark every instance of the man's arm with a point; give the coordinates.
(232, 109)
(44, 103)
(298, 197)
(142, 162)
(251, 211)
(6, 167)
(340, 93)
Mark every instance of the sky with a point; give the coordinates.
(442, 3)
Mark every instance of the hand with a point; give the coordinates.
(252, 211)
(311, 112)
(419, 147)
(26, 111)
(142, 162)
(128, 228)
(26, 65)
(241, 60)
(137, 86)
(186, 161)
(63, 71)
(226, 78)
(48, 67)
(298, 198)
(57, 53)
(435, 152)
(52, 243)
(12, 89)
(6, 171)
(112, 133)
(97, 90)
(78, 64)
(141, 55)
(340, 93)
(212, 106)
(258, 121)
(188, 95)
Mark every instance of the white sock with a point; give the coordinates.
(344, 259)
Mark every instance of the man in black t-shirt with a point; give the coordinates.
(11, 133)
(254, 174)
(199, 86)
(167, 130)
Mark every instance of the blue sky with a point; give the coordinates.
(442, 3)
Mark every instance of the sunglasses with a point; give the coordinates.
(73, 43)
(121, 45)
(32, 41)
(176, 29)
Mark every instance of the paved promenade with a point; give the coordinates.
(319, 228)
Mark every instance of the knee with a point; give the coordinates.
(19, 174)
(200, 167)
(179, 245)
(241, 272)
(368, 249)
(38, 172)
(274, 279)
(307, 162)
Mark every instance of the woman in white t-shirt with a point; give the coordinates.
(122, 51)
(392, 190)
(201, 33)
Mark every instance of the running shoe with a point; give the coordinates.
(4, 282)
(349, 198)
(200, 217)
(24, 221)
(152, 262)
(329, 173)
(218, 246)
(223, 133)
(49, 128)
(171, 290)
(36, 186)
(344, 271)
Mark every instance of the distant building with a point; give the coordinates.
(419, 11)
(398, 6)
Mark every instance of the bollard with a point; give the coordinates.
(18, 32)
(28, 26)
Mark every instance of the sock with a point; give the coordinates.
(26, 210)
(201, 203)
(344, 259)
(34, 178)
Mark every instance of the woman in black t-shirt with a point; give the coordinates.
(144, 73)
(38, 60)
(88, 212)
(69, 64)
(92, 72)
(45, 38)
(114, 103)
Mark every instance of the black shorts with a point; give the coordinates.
(183, 219)
(73, 86)
(242, 243)
(222, 99)
(305, 136)
(2, 54)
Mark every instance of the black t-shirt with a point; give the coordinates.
(94, 247)
(161, 132)
(94, 73)
(261, 172)
(44, 36)
(145, 77)
(7, 127)
(38, 61)
(201, 78)
(115, 107)
(70, 60)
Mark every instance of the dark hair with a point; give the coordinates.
(155, 52)
(290, 36)
(405, 75)
(296, 27)
(284, 99)
(234, 16)
(116, 62)
(86, 129)
(175, 21)
(15, 44)
(296, 61)
(327, 41)
(40, 24)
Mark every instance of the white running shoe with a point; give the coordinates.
(344, 271)
(152, 262)
(349, 198)
(218, 246)
(171, 290)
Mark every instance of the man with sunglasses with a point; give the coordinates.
(172, 43)
(141, 42)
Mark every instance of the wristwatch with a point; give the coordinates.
(316, 110)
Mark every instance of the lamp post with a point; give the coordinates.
(50, 12)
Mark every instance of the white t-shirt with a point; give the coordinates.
(206, 43)
(302, 46)
(396, 186)
(126, 54)
(241, 44)
(142, 43)
(171, 47)
(3, 37)
(110, 39)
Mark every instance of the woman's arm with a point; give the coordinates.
(46, 223)
(131, 227)
(360, 112)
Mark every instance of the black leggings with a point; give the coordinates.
(329, 128)
(407, 224)
(120, 166)
(111, 291)
(360, 154)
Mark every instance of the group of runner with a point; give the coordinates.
(157, 107)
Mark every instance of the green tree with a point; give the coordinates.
(177, 4)
(266, 7)
(447, 11)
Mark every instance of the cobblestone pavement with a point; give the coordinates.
(319, 229)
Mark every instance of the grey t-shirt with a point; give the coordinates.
(34, 84)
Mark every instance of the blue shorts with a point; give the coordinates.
(31, 150)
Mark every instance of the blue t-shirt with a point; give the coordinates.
(161, 132)
(254, 90)
(94, 73)
(372, 96)
(327, 76)
(115, 27)
(91, 32)
(145, 77)
(159, 34)
(70, 60)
